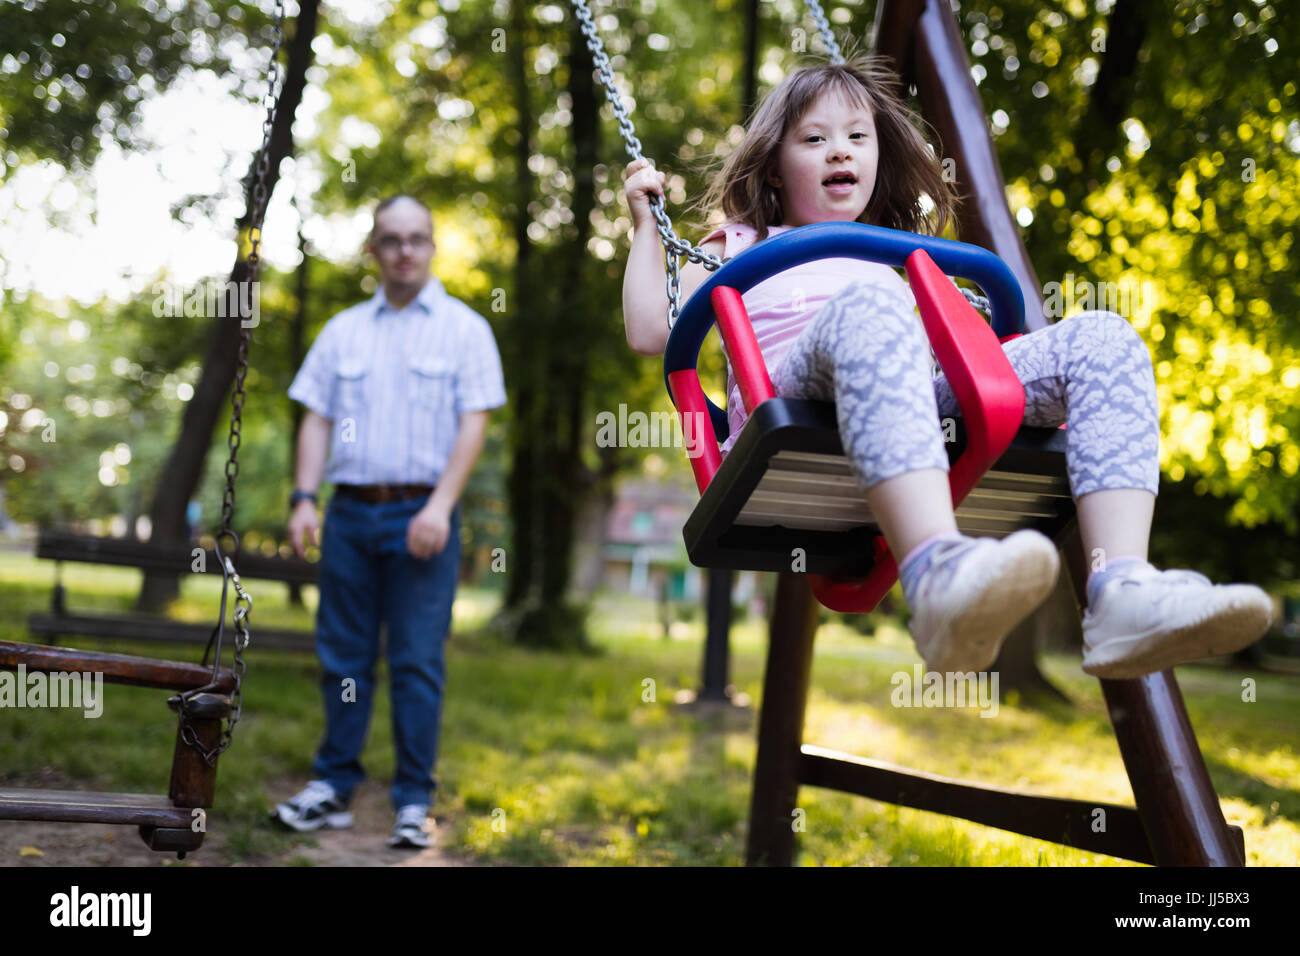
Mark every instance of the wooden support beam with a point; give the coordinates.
(923, 40)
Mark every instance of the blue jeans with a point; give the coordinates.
(367, 575)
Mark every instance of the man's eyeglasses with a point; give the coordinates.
(391, 244)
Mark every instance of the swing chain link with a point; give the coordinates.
(824, 28)
(674, 245)
(263, 165)
(976, 300)
(243, 602)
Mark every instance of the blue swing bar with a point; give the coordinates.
(824, 240)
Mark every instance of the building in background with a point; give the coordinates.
(644, 549)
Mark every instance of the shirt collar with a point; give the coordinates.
(427, 298)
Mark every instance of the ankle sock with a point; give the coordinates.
(1098, 579)
(921, 558)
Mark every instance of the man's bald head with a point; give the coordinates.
(402, 203)
(402, 243)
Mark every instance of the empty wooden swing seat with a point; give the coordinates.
(166, 823)
(206, 696)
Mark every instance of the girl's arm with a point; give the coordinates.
(645, 295)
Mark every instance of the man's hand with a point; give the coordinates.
(427, 533)
(304, 527)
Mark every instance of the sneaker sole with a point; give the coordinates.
(406, 843)
(1229, 629)
(974, 632)
(331, 821)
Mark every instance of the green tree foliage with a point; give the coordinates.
(74, 73)
(1173, 182)
(89, 407)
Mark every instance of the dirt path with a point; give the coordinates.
(94, 844)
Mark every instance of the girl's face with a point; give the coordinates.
(826, 166)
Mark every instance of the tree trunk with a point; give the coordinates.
(184, 468)
(1060, 620)
(519, 567)
(750, 89)
(719, 581)
(521, 349)
(554, 444)
(589, 553)
(1057, 621)
(1098, 132)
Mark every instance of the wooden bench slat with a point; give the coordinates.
(176, 559)
(160, 630)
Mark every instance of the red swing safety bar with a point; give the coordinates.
(988, 393)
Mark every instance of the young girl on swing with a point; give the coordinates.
(836, 143)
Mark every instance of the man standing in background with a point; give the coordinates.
(397, 391)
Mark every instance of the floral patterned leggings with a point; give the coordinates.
(867, 351)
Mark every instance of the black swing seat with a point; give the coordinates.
(166, 823)
(786, 484)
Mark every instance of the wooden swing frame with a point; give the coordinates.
(1177, 820)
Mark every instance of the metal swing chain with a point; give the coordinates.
(243, 602)
(824, 28)
(674, 245)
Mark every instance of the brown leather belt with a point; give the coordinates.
(376, 494)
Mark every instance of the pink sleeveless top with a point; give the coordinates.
(781, 306)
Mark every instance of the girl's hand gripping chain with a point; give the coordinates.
(642, 179)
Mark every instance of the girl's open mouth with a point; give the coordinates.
(840, 184)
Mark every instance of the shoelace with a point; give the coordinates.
(408, 817)
(940, 574)
(1168, 577)
(315, 792)
(1174, 581)
(1187, 577)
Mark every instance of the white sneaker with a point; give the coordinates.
(316, 807)
(976, 593)
(1146, 620)
(411, 829)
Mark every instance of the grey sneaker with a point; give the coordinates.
(412, 827)
(1146, 620)
(976, 593)
(316, 807)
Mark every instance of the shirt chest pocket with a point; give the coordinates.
(429, 385)
(350, 390)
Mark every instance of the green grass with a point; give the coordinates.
(558, 759)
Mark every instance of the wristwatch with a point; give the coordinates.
(300, 495)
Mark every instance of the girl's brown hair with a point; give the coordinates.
(907, 167)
